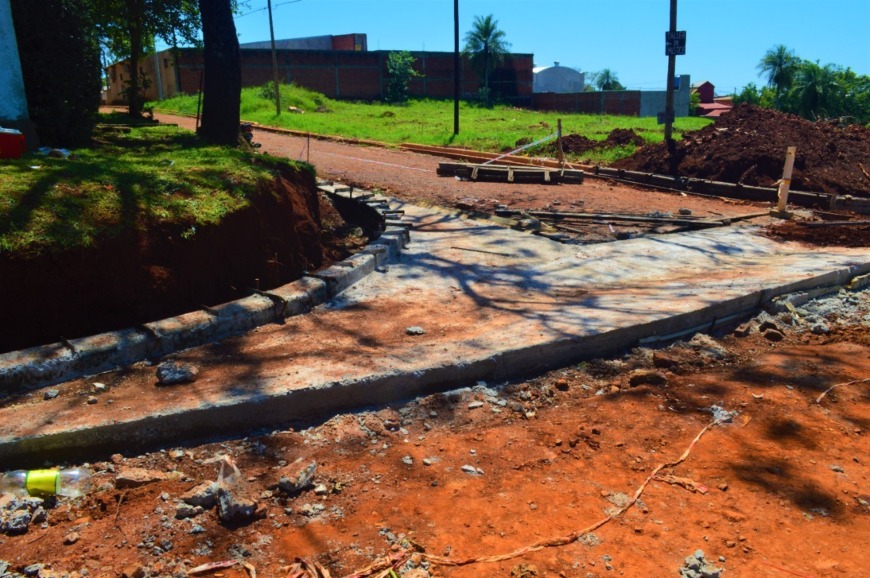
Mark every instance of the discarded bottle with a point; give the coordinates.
(71, 482)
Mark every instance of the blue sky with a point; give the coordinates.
(725, 39)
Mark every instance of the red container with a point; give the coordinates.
(11, 143)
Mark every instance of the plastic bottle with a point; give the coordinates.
(71, 482)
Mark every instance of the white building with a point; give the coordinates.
(559, 79)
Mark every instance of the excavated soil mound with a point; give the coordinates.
(623, 137)
(575, 143)
(578, 144)
(154, 272)
(748, 144)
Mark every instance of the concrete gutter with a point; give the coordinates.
(58, 362)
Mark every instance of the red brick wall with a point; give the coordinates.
(624, 102)
(362, 75)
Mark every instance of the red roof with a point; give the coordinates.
(716, 113)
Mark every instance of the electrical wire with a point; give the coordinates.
(266, 7)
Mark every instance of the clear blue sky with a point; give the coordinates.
(725, 39)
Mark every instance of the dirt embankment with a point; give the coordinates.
(153, 272)
(748, 145)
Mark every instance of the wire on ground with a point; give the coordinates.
(383, 568)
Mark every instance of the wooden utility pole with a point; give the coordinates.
(672, 64)
(274, 61)
(455, 67)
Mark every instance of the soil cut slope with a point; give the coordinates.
(150, 272)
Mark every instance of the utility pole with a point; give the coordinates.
(672, 62)
(275, 61)
(455, 67)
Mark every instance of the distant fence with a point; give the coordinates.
(353, 75)
(625, 102)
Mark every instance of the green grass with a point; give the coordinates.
(430, 122)
(149, 176)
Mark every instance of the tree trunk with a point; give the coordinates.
(136, 18)
(223, 74)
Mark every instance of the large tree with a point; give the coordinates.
(485, 47)
(779, 66)
(129, 28)
(223, 73)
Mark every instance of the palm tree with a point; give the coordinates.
(607, 80)
(779, 65)
(485, 47)
(817, 90)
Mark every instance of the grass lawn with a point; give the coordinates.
(430, 122)
(136, 177)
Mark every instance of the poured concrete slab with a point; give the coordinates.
(493, 303)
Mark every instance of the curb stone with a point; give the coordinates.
(46, 365)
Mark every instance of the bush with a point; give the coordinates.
(400, 69)
(267, 91)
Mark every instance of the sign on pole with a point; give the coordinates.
(664, 117)
(675, 43)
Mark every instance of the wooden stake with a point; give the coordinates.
(785, 182)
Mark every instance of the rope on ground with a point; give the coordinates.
(524, 147)
(376, 162)
(382, 568)
(833, 387)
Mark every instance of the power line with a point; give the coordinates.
(266, 8)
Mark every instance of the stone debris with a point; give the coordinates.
(135, 477)
(17, 513)
(173, 373)
(708, 347)
(50, 394)
(471, 470)
(203, 495)
(415, 330)
(640, 377)
(295, 478)
(233, 507)
(184, 511)
(722, 415)
(696, 566)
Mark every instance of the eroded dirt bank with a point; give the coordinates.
(151, 272)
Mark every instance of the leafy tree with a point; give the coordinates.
(400, 69)
(485, 47)
(856, 96)
(607, 80)
(60, 62)
(779, 65)
(694, 104)
(750, 94)
(817, 92)
(128, 30)
(222, 92)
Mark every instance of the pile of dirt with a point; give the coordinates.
(623, 137)
(579, 144)
(155, 272)
(748, 145)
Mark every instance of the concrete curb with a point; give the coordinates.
(58, 362)
(257, 412)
